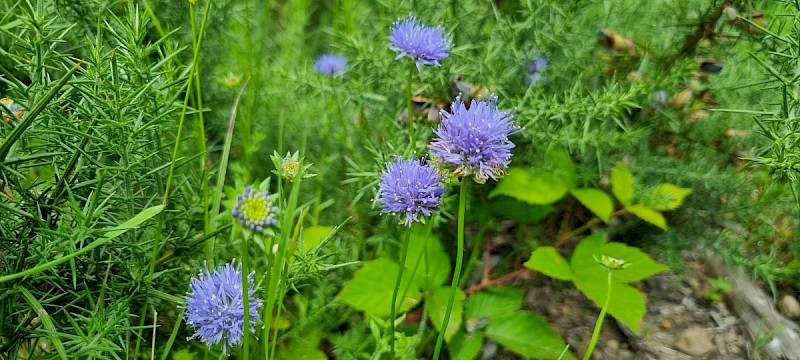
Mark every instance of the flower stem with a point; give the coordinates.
(410, 108)
(599, 324)
(393, 311)
(462, 210)
(246, 296)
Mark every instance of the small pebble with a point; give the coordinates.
(789, 306)
(694, 341)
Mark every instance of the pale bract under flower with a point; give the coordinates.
(215, 306)
(426, 45)
(474, 141)
(410, 188)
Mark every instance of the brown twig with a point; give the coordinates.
(705, 28)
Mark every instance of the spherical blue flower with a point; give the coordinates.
(254, 209)
(330, 64)
(409, 187)
(425, 44)
(474, 141)
(215, 308)
(535, 69)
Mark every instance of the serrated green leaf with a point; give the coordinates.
(370, 289)
(533, 187)
(559, 163)
(667, 197)
(622, 184)
(427, 259)
(494, 302)
(465, 347)
(313, 235)
(647, 214)
(548, 261)
(641, 265)
(627, 304)
(437, 305)
(527, 334)
(595, 200)
(519, 211)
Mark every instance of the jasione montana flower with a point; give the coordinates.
(254, 209)
(474, 141)
(330, 64)
(424, 44)
(215, 306)
(410, 188)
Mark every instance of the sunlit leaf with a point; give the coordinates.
(667, 197)
(370, 289)
(595, 200)
(647, 214)
(534, 187)
(519, 211)
(548, 261)
(465, 346)
(527, 334)
(437, 304)
(426, 259)
(494, 302)
(622, 184)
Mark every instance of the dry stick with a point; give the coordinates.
(524, 272)
(153, 344)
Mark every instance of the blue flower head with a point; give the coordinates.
(425, 44)
(254, 209)
(535, 69)
(330, 64)
(409, 187)
(215, 308)
(474, 141)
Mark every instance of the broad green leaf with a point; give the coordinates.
(305, 346)
(437, 305)
(527, 334)
(548, 261)
(520, 211)
(465, 346)
(534, 187)
(313, 235)
(622, 184)
(667, 197)
(370, 289)
(647, 214)
(426, 259)
(597, 201)
(559, 163)
(494, 302)
(641, 266)
(627, 304)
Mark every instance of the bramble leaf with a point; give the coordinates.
(426, 255)
(622, 184)
(549, 262)
(595, 200)
(370, 289)
(667, 197)
(437, 303)
(534, 187)
(647, 214)
(527, 334)
(465, 346)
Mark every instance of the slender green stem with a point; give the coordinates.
(246, 296)
(393, 310)
(462, 210)
(278, 264)
(410, 108)
(600, 318)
